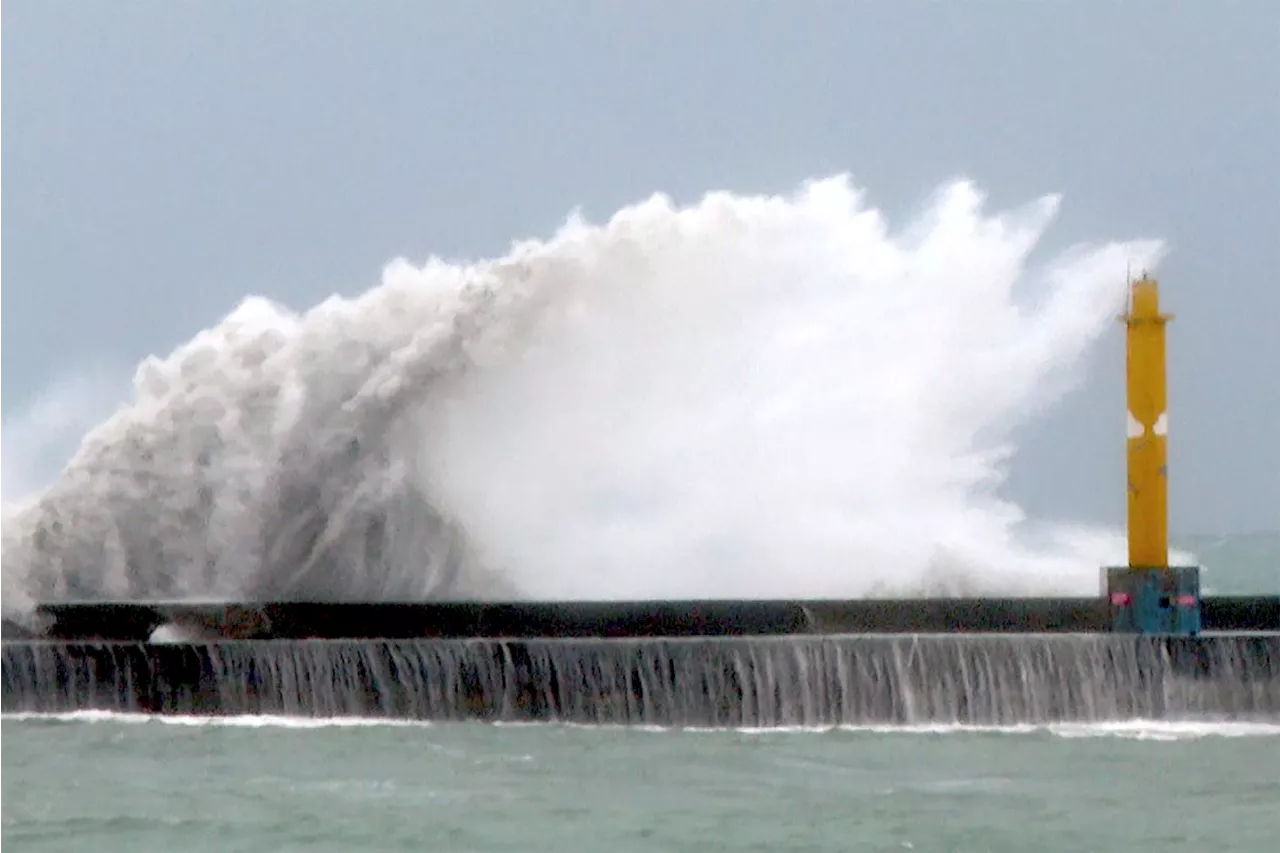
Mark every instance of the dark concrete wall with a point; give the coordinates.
(136, 621)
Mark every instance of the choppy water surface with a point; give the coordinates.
(118, 783)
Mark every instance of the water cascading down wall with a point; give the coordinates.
(663, 663)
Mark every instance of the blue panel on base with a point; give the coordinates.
(1155, 601)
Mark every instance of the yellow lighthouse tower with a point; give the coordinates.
(1149, 596)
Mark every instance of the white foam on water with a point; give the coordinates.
(1168, 729)
(1129, 729)
(748, 396)
(247, 721)
(1154, 730)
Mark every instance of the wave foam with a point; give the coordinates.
(745, 397)
(1156, 730)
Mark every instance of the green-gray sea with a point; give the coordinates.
(108, 785)
(1240, 564)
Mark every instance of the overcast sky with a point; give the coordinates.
(165, 159)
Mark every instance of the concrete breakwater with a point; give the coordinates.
(764, 681)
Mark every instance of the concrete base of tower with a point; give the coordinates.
(1154, 600)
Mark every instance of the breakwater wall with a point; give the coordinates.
(134, 621)
(761, 681)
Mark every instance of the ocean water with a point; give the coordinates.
(107, 784)
(1239, 564)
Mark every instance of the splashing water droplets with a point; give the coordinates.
(749, 396)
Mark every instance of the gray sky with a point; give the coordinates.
(165, 159)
